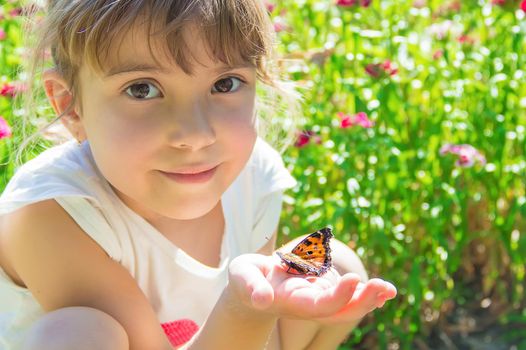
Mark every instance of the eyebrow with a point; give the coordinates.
(131, 67)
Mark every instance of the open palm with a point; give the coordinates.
(264, 284)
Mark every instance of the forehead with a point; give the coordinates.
(138, 47)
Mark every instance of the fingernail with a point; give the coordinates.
(381, 296)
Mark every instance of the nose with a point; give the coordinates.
(193, 129)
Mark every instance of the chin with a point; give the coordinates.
(191, 211)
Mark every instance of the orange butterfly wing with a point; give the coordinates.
(312, 256)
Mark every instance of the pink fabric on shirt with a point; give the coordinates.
(179, 331)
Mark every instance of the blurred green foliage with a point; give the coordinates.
(443, 233)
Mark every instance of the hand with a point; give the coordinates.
(262, 283)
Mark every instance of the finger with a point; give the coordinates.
(316, 302)
(389, 293)
(367, 297)
(333, 299)
(248, 274)
(262, 295)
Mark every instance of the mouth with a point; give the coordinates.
(193, 175)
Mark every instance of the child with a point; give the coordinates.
(156, 227)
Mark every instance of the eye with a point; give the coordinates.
(230, 84)
(143, 91)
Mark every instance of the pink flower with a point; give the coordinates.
(441, 30)
(419, 4)
(279, 26)
(454, 6)
(346, 120)
(379, 70)
(5, 130)
(366, 3)
(305, 137)
(3, 34)
(438, 54)
(15, 12)
(8, 90)
(389, 68)
(11, 89)
(346, 3)
(351, 3)
(467, 154)
(360, 118)
(447, 8)
(466, 39)
(509, 4)
(373, 70)
(363, 120)
(270, 6)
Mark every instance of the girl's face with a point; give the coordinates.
(170, 144)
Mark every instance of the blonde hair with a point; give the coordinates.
(74, 32)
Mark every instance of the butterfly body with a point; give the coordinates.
(312, 256)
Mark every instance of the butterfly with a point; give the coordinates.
(312, 256)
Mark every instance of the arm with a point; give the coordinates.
(63, 267)
(260, 292)
(234, 325)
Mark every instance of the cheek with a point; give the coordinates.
(238, 116)
(119, 144)
(239, 130)
(119, 128)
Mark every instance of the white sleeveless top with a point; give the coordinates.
(177, 286)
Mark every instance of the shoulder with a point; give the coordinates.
(59, 161)
(38, 229)
(33, 232)
(63, 170)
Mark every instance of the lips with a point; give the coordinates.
(192, 170)
(189, 175)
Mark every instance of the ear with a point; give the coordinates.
(61, 98)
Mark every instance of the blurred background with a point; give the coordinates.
(412, 148)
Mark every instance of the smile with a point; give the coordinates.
(191, 177)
